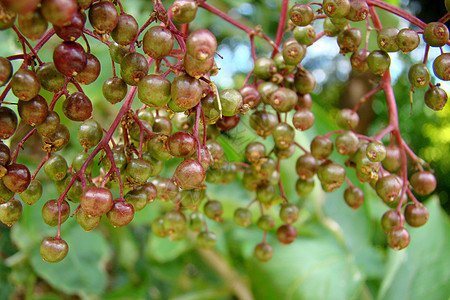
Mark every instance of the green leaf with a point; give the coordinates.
(421, 271)
(83, 271)
(164, 250)
(309, 268)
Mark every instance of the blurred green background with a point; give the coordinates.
(339, 254)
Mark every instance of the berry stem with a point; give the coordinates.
(281, 25)
(20, 144)
(382, 133)
(40, 166)
(195, 130)
(236, 23)
(24, 40)
(396, 11)
(280, 183)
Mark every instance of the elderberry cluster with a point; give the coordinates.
(183, 113)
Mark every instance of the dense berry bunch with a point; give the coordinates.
(170, 70)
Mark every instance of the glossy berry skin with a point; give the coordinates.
(407, 40)
(293, 52)
(441, 66)
(77, 107)
(59, 12)
(8, 122)
(254, 151)
(266, 222)
(213, 210)
(306, 166)
(117, 52)
(436, 34)
(228, 123)
(33, 112)
(126, 29)
(89, 133)
(263, 252)
(347, 143)
(436, 98)
(242, 217)
(174, 221)
(181, 144)
(347, 119)
(17, 178)
(50, 212)
(53, 250)
(184, 11)
(134, 67)
(376, 151)
(416, 215)
(189, 174)
(5, 70)
(359, 10)
(304, 81)
(286, 234)
(423, 183)
(354, 197)
(49, 125)
(206, 240)
(114, 90)
(391, 219)
(201, 44)
(250, 95)
(10, 212)
(389, 188)
(392, 162)
(419, 75)
(72, 31)
(25, 84)
(301, 14)
(321, 147)
(58, 139)
(331, 175)
(289, 213)
(90, 72)
(186, 91)
(283, 99)
(50, 78)
(349, 40)
(138, 170)
(70, 58)
(398, 238)
(32, 25)
(103, 17)
(359, 60)
(96, 201)
(378, 62)
(85, 221)
(387, 39)
(157, 42)
(121, 213)
(33, 192)
(264, 68)
(56, 167)
(304, 34)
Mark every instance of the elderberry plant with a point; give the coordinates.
(169, 70)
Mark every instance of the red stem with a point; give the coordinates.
(281, 25)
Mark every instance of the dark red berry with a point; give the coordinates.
(189, 174)
(286, 234)
(70, 58)
(120, 214)
(77, 107)
(96, 201)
